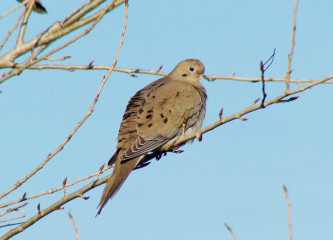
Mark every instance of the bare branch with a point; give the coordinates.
(37, 6)
(14, 209)
(13, 9)
(53, 33)
(291, 53)
(75, 11)
(79, 124)
(289, 211)
(30, 61)
(264, 95)
(51, 191)
(231, 232)
(247, 110)
(24, 22)
(263, 69)
(77, 237)
(131, 72)
(12, 30)
(56, 206)
(12, 218)
(58, 59)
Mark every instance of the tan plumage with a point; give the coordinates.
(154, 116)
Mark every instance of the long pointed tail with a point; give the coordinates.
(116, 180)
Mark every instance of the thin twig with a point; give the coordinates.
(12, 30)
(24, 23)
(289, 211)
(264, 94)
(77, 237)
(51, 191)
(14, 209)
(12, 218)
(291, 53)
(231, 232)
(263, 68)
(13, 9)
(57, 59)
(74, 11)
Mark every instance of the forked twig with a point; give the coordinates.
(263, 69)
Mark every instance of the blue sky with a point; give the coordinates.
(233, 176)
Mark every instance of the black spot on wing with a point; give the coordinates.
(149, 116)
(165, 120)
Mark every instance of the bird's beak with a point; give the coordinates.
(205, 77)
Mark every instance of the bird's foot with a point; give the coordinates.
(184, 126)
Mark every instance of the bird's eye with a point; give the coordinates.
(191, 69)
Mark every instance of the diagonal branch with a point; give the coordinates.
(251, 108)
(52, 208)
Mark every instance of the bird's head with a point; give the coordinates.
(189, 69)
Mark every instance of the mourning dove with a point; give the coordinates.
(160, 113)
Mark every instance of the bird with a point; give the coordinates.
(156, 116)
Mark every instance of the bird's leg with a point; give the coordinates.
(176, 150)
(184, 126)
